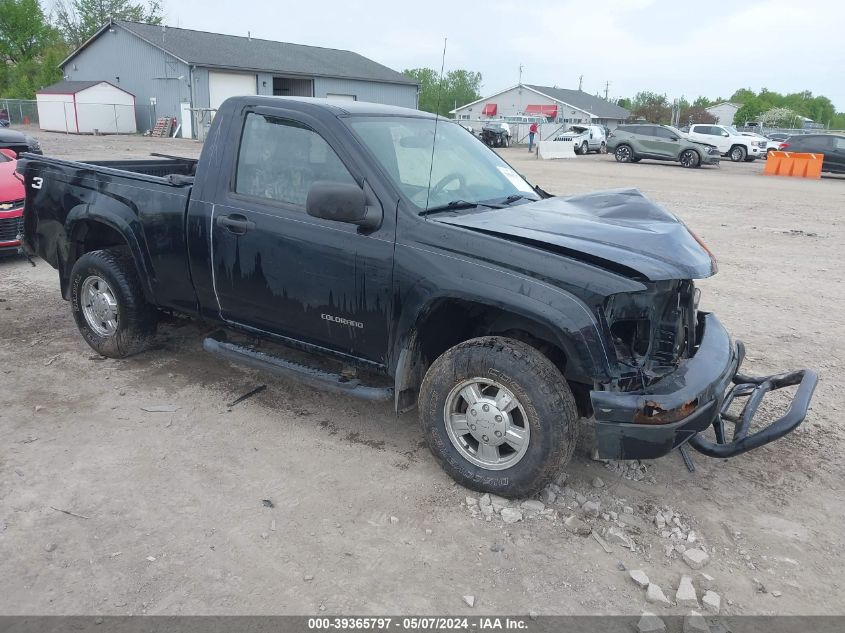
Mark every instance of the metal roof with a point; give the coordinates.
(216, 50)
(71, 87)
(584, 101)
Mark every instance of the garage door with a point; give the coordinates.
(221, 86)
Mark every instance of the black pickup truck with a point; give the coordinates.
(399, 245)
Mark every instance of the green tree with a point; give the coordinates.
(30, 49)
(702, 102)
(78, 20)
(652, 107)
(458, 87)
(624, 102)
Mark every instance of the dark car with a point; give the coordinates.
(831, 145)
(18, 143)
(632, 143)
(778, 136)
(452, 284)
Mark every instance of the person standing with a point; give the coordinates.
(531, 132)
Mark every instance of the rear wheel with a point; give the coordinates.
(738, 153)
(624, 154)
(585, 149)
(498, 416)
(689, 158)
(108, 304)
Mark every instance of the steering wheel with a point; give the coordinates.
(448, 178)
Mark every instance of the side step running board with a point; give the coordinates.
(309, 375)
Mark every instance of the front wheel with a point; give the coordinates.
(585, 149)
(689, 158)
(108, 303)
(498, 416)
(738, 153)
(624, 154)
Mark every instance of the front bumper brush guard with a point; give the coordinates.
(755, 389)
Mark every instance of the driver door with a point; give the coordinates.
(279, 270)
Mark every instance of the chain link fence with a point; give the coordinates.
(19, 111)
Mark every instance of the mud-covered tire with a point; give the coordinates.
(539, 388)
(136, 318)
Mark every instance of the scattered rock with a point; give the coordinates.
(613, 515)
(576, 525)
(605, 516)
(51, 547)
(761, 588)
(655, 595)
(532, 506)
(628, 510)
(497, 547)
(151, 558)
(484, 501)
(267, 503)
(265, 535)
(469, 601)
(602, 543)
(711, 601)
(308, 577)
(696, 558)
(776, 593)
(639, 577)
(659, 521)
(680, 548)
(707, 581)
(581, 499)
(591, 508)
(691, 537)
(547, 496)
(618, 537)
(394, 520)
(471, 501)
(650, 623)
(621, 566)
(695, 623)
(429, 531)
(487, 510)
(686, 596)
(499, 502)
(511, 515)
(598, 482)
(38, 408)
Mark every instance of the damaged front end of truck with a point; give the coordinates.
(679, 376)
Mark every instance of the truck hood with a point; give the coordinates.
(620, 230)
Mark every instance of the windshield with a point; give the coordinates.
(464, 169)
(676, 131)
(732, 130)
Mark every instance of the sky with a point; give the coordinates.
(676, 47)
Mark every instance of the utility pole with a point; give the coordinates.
(606, 89)
(580, 81)
(520, 74)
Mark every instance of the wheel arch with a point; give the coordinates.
(446, 321)
(90, 228)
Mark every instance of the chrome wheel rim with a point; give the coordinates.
(623, 154)
(486, 423)
(99, 305)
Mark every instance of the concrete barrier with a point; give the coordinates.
(794, 164)
(556, 149)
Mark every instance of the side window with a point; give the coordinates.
(839, 143)
(280, 160)
(702, 129)
(661, 132)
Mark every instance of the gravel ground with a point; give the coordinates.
(168, 511)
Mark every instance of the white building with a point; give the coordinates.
(86, 107)
(557, 105)
(724, 112)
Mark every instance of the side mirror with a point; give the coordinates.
(673, 138)
(342, 202)
(725, 134)
(8, 153)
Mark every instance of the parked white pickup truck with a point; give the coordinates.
(729, 141)
(585, 138)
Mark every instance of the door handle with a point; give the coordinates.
(235, 223)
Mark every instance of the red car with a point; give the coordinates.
(11, 204)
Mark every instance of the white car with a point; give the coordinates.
(771, 145)
(730, 141)
(585, 138)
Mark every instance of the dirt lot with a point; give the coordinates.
(364, 521)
